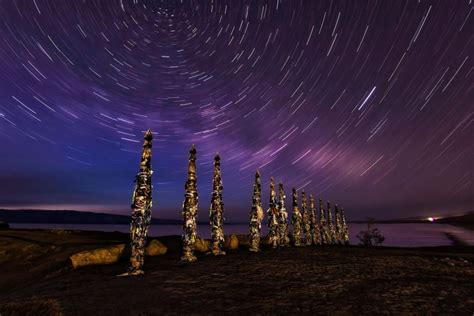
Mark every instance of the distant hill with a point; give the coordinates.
(466, 219)
(395, 221)
(71, 217)
(79, 217)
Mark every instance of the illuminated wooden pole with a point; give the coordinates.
(141, 209)
(256, 215)
(314, 222)
(296, 219)
(306, 220)
(216, 212)
(282, 218)
(345, 228)
(323, 225)
(331, 230)
(338, 231)
(190, 208)
(272, 216)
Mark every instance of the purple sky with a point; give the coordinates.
(365, 103)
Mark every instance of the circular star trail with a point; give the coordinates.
(364, 103)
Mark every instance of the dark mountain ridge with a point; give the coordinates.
(80, 217)
(72, 217)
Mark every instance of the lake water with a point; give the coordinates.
(396, 235)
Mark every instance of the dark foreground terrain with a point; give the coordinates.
(36, 278)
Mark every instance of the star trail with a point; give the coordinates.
(369, 104)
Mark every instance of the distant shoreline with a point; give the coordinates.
(73, 217)
(80, 217)
(32, 216)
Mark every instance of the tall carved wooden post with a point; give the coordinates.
(306, 220)
(338, 232)
(256, 215)
(323, 225)
(345, 228)
(314, 221)
(190, 209)
(273, 217)
(141, 209)
(331, 230)
(296, 219)
(283, 238)
(216, 212)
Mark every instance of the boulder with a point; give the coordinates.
(243, 240)
(4, 225)
(155, 248)
(107, 255)
(231, 242)
(202, 245)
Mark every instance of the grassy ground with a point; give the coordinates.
(37, 278)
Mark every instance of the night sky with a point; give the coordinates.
(366, 103)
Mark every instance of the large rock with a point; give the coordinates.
(155, 248)
(4, 225)
(231, 242)
(243, 240)
(107, 255)
(202, 245)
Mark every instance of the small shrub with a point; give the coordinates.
(371, 237)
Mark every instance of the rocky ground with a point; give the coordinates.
(36, 277)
